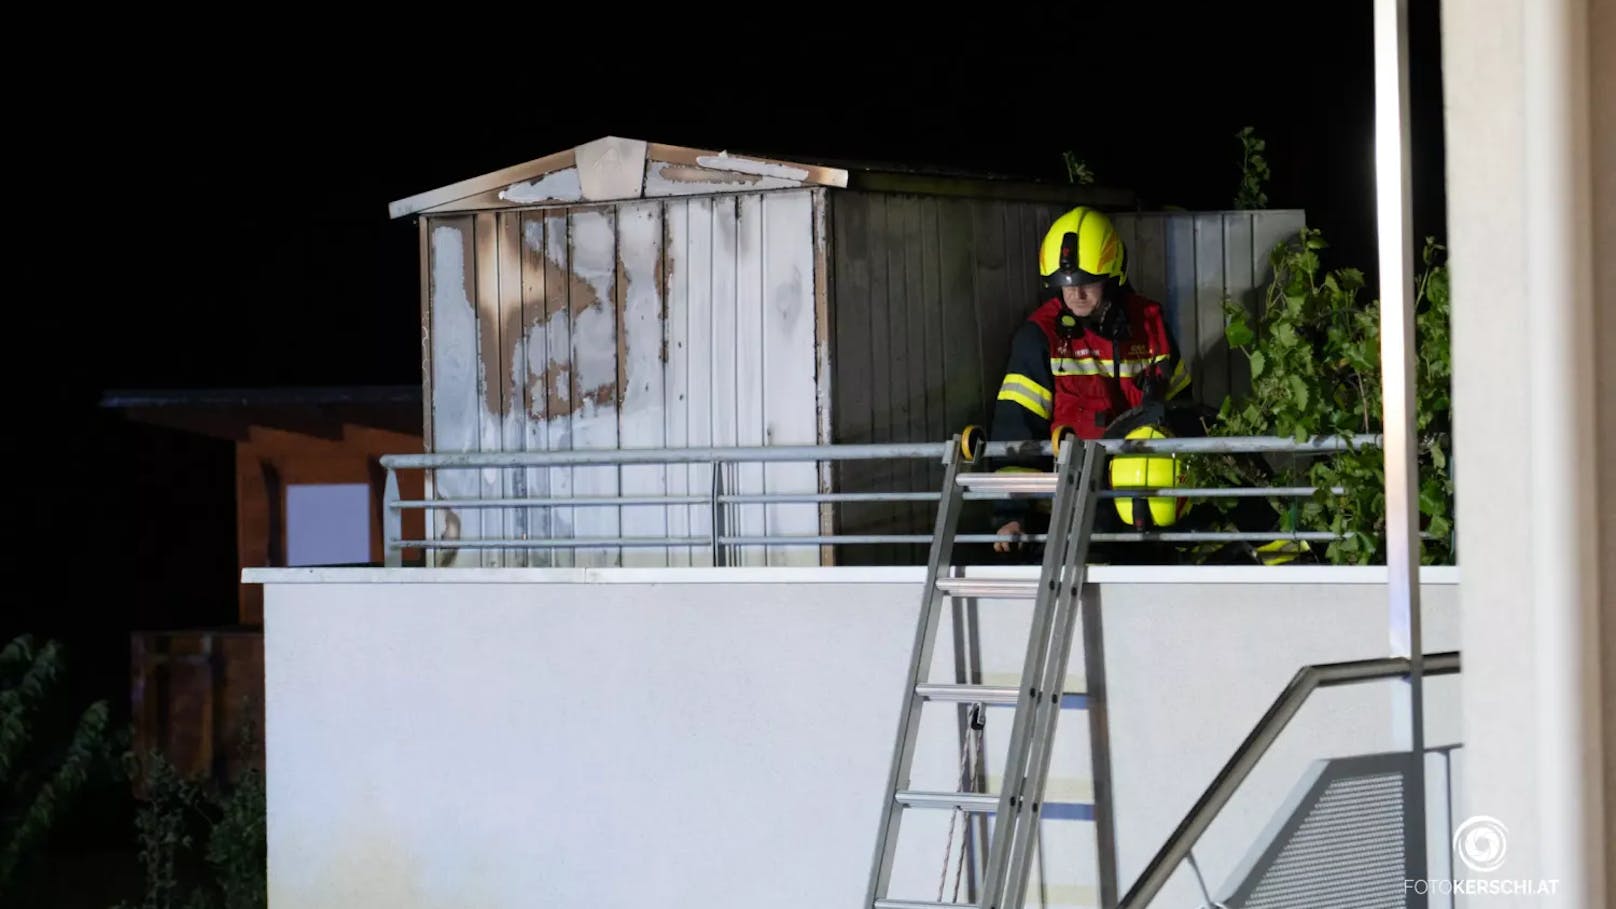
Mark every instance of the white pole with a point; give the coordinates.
(1560, 355)
(1397, 377)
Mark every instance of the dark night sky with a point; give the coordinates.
(247, 241)
(212, 210)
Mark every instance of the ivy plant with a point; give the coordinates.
(1253, 171)
(1314, 353)
(1077, 170)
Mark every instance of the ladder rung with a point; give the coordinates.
(916, 904)
(1004, 483)
(970, 801)
(990, 588)
(969, 694)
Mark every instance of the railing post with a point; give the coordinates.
(392, 523)
(718, 514)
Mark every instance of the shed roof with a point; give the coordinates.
(613, 168)
(230, 413)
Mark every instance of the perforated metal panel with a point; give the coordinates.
(1341, 842)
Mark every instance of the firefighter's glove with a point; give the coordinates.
(1152, 385)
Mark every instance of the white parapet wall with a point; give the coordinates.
(721, 737)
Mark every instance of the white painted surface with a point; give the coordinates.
(1602, 53)
(749, 378)
(533, 420)
(635, 325)
(592, 243)
(695, 261)
(558, 342)
(529, 737)
(611, 168)
(641, 408)
(788, 386)
(666, 178)
(676, 406)
(1516, 107)
(559, 186)
(455, 362)
(724, 161)
(1561, 508)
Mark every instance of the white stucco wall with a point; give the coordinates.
(695, 737)
(1528, 101)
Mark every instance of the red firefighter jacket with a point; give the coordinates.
(1084, 381)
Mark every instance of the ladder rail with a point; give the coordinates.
(942, 547)
(1012, 790)
(1074, 564)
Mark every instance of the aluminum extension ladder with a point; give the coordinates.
(1016, 808)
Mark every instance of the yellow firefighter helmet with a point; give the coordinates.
(1149, 471)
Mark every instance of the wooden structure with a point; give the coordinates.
(288, 441)
(307, 482)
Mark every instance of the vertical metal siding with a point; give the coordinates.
(454, 404)
(928, 290)
(790, 348)
(1191, 262)
(694, 321)
(533, 417)
(686, 322)
(642, 374)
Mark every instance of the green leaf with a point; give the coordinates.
(1298, 389)
(1239, 333)
(1284, 336)
(1258, 361)
(1432, 501)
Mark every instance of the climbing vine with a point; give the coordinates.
(1253, 171)
(1314, 354)
(1077, 170)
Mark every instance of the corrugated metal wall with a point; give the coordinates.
(1190, 261)
(682, 322)
(928, 290)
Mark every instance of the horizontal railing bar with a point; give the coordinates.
(611, 456)
(615, 456)
(626, 501)
(1164, 537)
(1180, 492)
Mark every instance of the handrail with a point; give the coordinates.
(717, 496)
(1256, 744)
(855, 452)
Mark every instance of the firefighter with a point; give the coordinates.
(1095, 353)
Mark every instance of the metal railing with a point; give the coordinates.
(716, 496)
(1181, 842)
